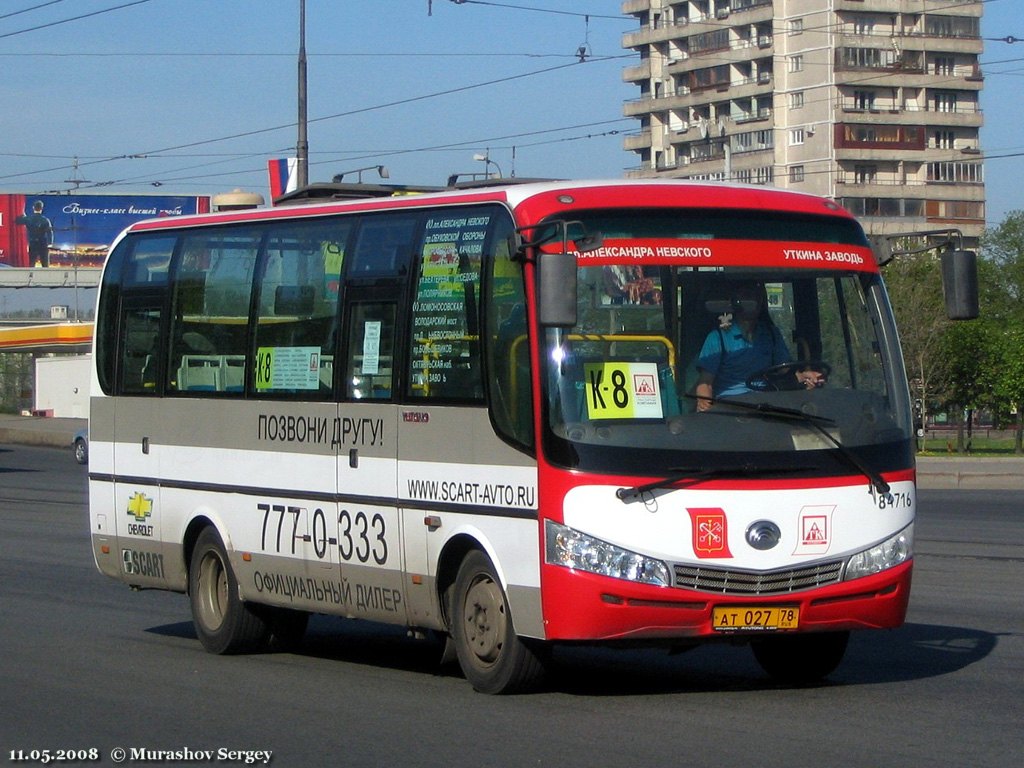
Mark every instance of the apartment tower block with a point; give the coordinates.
(875, 103)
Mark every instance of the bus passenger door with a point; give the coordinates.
(138, 432)
(369, 536)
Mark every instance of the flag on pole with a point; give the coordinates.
(283, 177)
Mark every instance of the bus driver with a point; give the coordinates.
(746, 342)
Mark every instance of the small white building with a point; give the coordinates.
(62, 386)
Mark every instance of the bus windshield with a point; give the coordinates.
(685, 323)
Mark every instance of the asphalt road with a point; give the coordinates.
(88, 664)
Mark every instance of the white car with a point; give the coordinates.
(80, 444)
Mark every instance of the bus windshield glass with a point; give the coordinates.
(713, 339)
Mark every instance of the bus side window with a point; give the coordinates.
(131, 315)
(445, 361)
(508, 350)
(210, 310)
(383, 246)
(140, 327)
(297, 310)
(369, 373)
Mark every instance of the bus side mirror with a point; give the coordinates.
(960, 284)
(557, 287)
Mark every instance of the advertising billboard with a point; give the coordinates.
(69, 229)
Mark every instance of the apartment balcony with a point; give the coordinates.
(634, 142)
(638, 73)
(760, 116)
(850, 155)
(880, 77)
(973, 191)
(967, 115)
(645, 36)
(649, 105)
(632, 7)
(911, 41)
(941, 43)
(744, 52)
(747, 87)
(910, 6)
(964, 116)
(849, 185)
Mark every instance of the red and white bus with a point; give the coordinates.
(476, 413)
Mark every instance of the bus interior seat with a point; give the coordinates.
(232, 373)
(327, 370)
(199, 373)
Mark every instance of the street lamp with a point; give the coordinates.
(381, 171)
(485, 158)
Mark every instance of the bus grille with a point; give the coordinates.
(727, 581)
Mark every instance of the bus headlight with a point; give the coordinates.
(574, 549)
(881, 557)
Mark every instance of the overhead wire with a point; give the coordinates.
(166, 151)
(323, 118)
(70, 19)
(30, 8)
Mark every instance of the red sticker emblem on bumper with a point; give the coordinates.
(710, 532)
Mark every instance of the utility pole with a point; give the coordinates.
(302, 148)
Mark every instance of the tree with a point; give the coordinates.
(915, 286)
(1001, 270)
(969, 369)
(1009, 384)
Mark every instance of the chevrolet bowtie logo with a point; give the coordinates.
(140, 506)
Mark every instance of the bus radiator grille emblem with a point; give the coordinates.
(764, 534)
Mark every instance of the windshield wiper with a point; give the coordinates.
(693, 475)
(818, 423)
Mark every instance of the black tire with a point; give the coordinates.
(223, 623)
(801, 659)
(81, 451)
(492, 657)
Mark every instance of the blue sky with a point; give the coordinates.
(196, 95)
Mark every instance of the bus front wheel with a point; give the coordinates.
(491, 656)
(223, 623)
(801, 659)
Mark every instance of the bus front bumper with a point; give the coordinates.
(582, 606)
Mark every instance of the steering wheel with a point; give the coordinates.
(776, 378)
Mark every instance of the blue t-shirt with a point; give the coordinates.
(741, 358)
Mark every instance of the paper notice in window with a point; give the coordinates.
(371, 348)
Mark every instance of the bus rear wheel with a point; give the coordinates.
(801, 659)
(492, 657)
(223, 623)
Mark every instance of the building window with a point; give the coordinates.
(796, 63)
(796, 100)
(796, 137)
(968, 173)
(864, 99)
(944, 140)
(951, 26)
(709, 41)
(944, 101)
(711, 77)
(796, 174)
(943, 65)
(865, 174)
(796, 26)
(954, 209)
(864, 26)
(867, 58)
